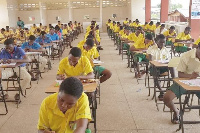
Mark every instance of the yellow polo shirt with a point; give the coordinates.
(182, 36)
(157, 53)
(136, 25)
(65, 31)
(124, 36)
(52, 118)
(151, 27)
(166, 33)
(90, 54)
(116, 28)
(189, 63)
(125, 22)
(10, 32)
(133, 37)
(121, 32)
(197, 41)
(139, 44)
(32, 29)
(83, 67)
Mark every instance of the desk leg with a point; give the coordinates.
(181, 114)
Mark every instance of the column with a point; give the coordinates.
(70, 11)
(148, 10)
(194, 23)
(164, 9)
(4, 14)
(43, 13)
(101, 14)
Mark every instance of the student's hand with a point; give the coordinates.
(60, 77)
(194, 75)
(27, 50)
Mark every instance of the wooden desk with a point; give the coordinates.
(87, 87)
(189, 90)
(158, 64)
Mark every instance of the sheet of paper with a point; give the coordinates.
(97, 62)
(192, 82)
(4, 65)
(163, 61)
(32, 53)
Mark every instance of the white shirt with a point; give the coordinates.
(158, 54)
(157, 31)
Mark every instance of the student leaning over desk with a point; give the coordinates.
(188, 67)
(90, 51)
(13, 54)
(75, 65)
(170, 34)
(67, 111)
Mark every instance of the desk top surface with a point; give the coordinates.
(185, 86)
(159, 64)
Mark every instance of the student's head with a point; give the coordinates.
(9, 45)
(59, 22)
(151, 23)
(157, 24)
(89, 44)
(43, 34)
(40, 24)
(90, 36)
(160, 41)
(20, 26)
(52, 30)
(187, 30)
(19, 18)
(57, 28)
(126, 19)
(7, 28)
(145, 23)
(34, 25)
(137, 21)
(114, 22)
(139, 30)
(172, 28)
(50, 25)
(109, 20)
(38, 30)
(74, 56)
(65, 26)
(148, 38)
(70, 91)
(31, 39)
(162, 26)
(2, 30)
(121, 27)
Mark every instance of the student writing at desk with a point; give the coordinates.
(90, 51)
(13, 54)
(75, 65)
(189, 67)
(32, 46)
(159, 52)
(140, 45)
(67, 111)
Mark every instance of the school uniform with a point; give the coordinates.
(169, 40)
(180, 47)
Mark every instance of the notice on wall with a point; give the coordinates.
(31, 18)
(195, 9)
(86, 17)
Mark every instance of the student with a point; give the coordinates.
(13, 54)
(140, 45)
(139, 33)
(91, 53)
(169, 34)
(20, 23)
(189, 67)
(8, 33)
(181, 38)
(196, 43)
(33, 28)
(125, 22)
(159, 52)
(53, 35)
(32, 46)
(160, 30)
(75, 65)
(43, 38)
(59, 23)
(67, 111)
(151, 28)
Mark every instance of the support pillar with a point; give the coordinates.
(148, 10)
(164, 9)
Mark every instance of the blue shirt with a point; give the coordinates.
(46, 40)
(18, 53)
(53, 37)
(33, 46)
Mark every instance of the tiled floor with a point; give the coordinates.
(125, 106)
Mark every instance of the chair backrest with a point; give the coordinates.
(174, 62)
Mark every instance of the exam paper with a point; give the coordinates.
(97, 61)
(192, 82)
(4, 65)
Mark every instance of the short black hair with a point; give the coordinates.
(172, 27)
(151, 22)
(75, 51)
(158, 23)
(187, 28)
(9, 41)
(90, 42)
(72, 86)
(43, 33)
(162, 25)
(161, 36)
(149, 37)
(32, 37)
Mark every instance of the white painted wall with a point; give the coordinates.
(12, 13)
(4, 21)
(138, 10)
(24, 15)
(62, 13)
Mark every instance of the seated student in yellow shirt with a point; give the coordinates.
(141, 45)
(67, 111)
(182, 38)
(75, 65)
(137, 23)
(188, 67)
(144, 27)
(8, 32)
(169, 34)
(33, 28)
(46, 29)
(65, 30)
(196, 43)
(133, 37)
(151, 29)
(159, 52)
(160, 30)
(27, 33)
(125, 22)
(90, 51)
(18, 30)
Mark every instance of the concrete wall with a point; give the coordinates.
(4, 14)
(12, 13)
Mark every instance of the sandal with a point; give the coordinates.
(160, 97)
(176, 119)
